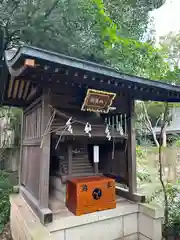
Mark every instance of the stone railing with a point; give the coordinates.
(150, 222)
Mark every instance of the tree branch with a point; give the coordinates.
(157, 121)
(166, 209)
(147, 120)
(49, 11)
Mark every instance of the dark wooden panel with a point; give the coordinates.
(32, 105)
(31, 169)
(32, 128)
(31, 151)
(131, 148)
(45, 153)
(21, 149)
(24, 166)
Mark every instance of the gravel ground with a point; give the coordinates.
(6, 234)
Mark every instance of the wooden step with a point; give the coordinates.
(76, 162)
(80, 160)
(81, 166)
(85, 174)
(80, 169)
(80, 155)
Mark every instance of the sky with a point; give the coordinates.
(167, 17)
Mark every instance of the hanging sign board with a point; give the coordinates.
(98, 101)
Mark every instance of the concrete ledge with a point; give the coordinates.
(129, 221)
(66, 219)
(119, 223)
(153, 211)
(24, 223)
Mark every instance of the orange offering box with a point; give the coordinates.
(90, 194)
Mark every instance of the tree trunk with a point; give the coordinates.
(164, 136)
(155, 138)
(149, 125)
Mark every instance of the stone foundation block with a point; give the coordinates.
(150, 222)
(108, 229)
(130, 224)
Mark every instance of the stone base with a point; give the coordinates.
(24, 223)
(119, 223)
(129, 221)
(58, 189)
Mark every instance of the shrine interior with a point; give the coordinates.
(72, 153)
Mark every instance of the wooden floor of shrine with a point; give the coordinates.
(59, 208)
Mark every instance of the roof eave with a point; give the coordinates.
(94, 68)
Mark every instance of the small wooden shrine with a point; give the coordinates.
(78, 120)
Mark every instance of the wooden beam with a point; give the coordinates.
(130, 196)
(131, 147)
(33, 104)
(15, 103)
(45, 153)
(44, 214)
(32, 93)
(32, 142)
(116, 177)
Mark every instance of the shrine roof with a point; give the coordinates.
(29, 69)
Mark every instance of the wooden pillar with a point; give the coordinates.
(21, 149)
(96, 168)
(69, 156)
(45, 154)
(131, 148)
(131, 193)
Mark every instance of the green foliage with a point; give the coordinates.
(155, 112)
(85, 29)
(12, 117)
(170, 45)
(5, 190)
(140, 153)
(129, 55)
(143, 174)
(15, 125)
(147, 177)
(150, 186)
(173, 226)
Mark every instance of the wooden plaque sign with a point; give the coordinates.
(98, 101)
